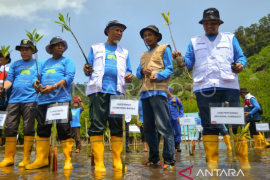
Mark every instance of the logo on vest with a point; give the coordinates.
(200, 43)
(222, 41)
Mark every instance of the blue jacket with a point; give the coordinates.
(175, 102)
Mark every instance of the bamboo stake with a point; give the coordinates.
(191, 153)
(109, 136)
(124, 144)
(134, 140)
(231, 140)
(185, 137)
(86, 135)
(264, 141)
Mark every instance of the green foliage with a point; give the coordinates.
(5, 51)
(34, 36)
(255, 37)
(63, 22)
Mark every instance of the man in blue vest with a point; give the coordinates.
(176, 111)
(75, 123)
(112, 71)
(217, 58)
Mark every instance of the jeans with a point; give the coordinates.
(214, 99)
(156, 117)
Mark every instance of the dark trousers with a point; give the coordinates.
(200, 135)
(252, 128)
(77, 133)
(156, 110)
(44, 130)
(127, 134)
(99, 108)
(214, 99)
(28, 111)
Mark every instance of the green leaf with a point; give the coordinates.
(67, 17)
(168, 18)
(62, 28)
(168, 14)
(29, 36)
(57, 22)
(61, 18)
(67, 28)
(247, 127)
(40, 38)
(165, 24)
(248, 137)
(238, 130)
(34, 31)
(163, 14)
(69, 21)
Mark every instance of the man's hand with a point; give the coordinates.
(178, 120)
(147, 71)
(86, 69)
(47, 89)
(138, 124)
(176, 53)
(79, 98)
(238, 68)
(153, 78)
(37, 86)
(128, 77)
(247, 114)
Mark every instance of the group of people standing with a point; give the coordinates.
(214, 80)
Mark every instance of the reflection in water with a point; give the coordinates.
(259, 161)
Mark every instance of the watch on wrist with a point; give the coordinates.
(54, 87)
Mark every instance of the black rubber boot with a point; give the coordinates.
(177, 146)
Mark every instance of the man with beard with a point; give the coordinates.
(217, 58)
(56, 75)
(112, 71)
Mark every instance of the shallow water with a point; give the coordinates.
(259, 161)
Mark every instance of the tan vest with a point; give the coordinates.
(154, 60)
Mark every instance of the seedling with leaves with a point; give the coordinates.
(5, 52)
(179, 60)
(242, 132)
(35, 37)
(65, 24)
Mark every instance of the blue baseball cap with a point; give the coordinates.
(170, 88)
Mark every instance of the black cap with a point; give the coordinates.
(209, 14)
(112, 24)
(152, 28)
(26, 43)
(56, 40)
(8, 56)
(243, 90)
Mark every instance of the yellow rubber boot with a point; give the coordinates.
(42, 150)
(257, 142)
(98, 152)
(227, 141)
(262, 141)
(117, 148)
(241, 151)
(28, 143)
(67, 148)
(10, 148)
(210, 143)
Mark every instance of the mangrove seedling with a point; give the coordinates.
(64, 25)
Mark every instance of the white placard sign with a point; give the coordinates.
(57, 113)
(187, 121)
(199, 128)
(2, 119)
(227, 115)
(129, 107)
(134, 128)
(262, 127)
